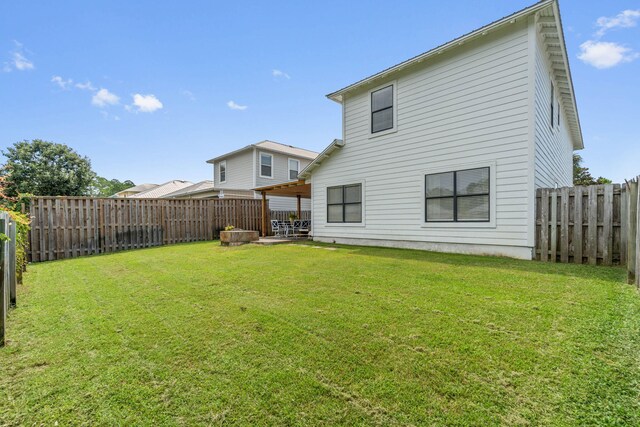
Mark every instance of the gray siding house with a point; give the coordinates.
(445, 151)
(259, 165)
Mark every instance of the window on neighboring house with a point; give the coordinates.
(459, 196)
(552, 102)
(344, 203)
(223, 171)
(294, 169)
(382, 109)
(266, 165)
(558, 114)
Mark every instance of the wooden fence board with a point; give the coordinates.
(632, 230)
(68, 227)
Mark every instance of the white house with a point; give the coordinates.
(259, 165)
(445, 150)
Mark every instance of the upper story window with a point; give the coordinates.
(558, 114)
(382, 109)
(294, 169)
(344, 203)
(458, 196)
(266, 165)
(222, 174)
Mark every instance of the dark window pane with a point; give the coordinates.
(334, 195)
(352, 194)
(293, 174)
(382, 98)
(382, 120)
(473, 208)
(440, 209)
(353, 213)
(334, 213)
(440, 184)
(472, 181)
(265, 170)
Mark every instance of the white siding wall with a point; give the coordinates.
(280, 168)
(467, 108)
(239, 172)
(554, 149)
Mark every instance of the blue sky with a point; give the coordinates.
(150, 90)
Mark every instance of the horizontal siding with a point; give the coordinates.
(239, 172)
(280, 169)
(460, 109)
(554, 150)
(277, 203)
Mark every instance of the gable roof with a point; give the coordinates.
(306, 172)
(271, 146)
(138, 188)
(198, 187)
(550, 25)
(163, 189)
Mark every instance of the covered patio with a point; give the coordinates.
(298, 189)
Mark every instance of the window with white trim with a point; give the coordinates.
(266, 165)
(382, 109)
(458, 196)
(552, 103)
(222, 173)
(294, 169)
(344, 203)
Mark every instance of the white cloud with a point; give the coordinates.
(18, 60)
(280, 74)
(188, 94)
(62, 83)
(146, 103)
(86, 86)
(625, 19)
(103, 98)
(235, 106)
(605, 54)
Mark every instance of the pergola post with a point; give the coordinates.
(299, 206)
(264, 214)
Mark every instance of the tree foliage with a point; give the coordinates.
(103, 187)
(46, 169)
(582, 176)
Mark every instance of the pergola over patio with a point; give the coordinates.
(298, 189)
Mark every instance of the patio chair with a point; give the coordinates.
(297, 224)
(276, 228)
(305, 226)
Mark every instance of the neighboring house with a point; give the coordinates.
(162, 190)
(445, 151)
(206, 190)
(261, 164)
(134, 190)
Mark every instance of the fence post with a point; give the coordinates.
(11, 255)
(632, 218)
(637, 230)
(3, 283)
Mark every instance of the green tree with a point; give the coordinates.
(46, 169)
(582, 176)
(103, 187)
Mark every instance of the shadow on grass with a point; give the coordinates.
(614, 274)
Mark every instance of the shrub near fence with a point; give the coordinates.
(69, 227)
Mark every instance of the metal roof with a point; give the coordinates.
(163, 189)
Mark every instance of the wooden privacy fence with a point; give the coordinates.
(8, 276)
(595, 224)
(69, 227)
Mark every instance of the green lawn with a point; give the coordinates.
(303, 335)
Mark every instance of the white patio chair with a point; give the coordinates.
(276, 228)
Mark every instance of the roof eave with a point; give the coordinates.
(306, 172)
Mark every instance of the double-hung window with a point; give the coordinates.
(344, 203)
(223, 171)
(552, 103)
(294, 169)
(458, 196)
(382, 109)
(266, 165)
